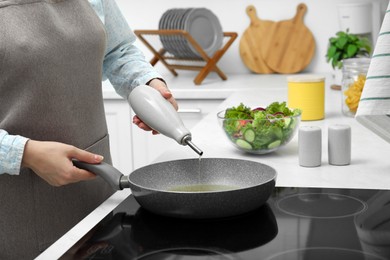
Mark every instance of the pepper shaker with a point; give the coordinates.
(339, 144)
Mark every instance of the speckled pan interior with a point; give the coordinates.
(253, 182)
(235, 172)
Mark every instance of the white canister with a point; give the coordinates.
(356, 17)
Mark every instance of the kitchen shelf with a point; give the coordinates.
(204, 64)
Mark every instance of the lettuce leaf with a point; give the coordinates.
(239, 112)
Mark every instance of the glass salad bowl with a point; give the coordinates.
(260, 130)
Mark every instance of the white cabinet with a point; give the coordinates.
(118, 116)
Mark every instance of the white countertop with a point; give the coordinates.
(182, 87)
(369, 168)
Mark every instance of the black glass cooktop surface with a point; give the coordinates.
(295, 223)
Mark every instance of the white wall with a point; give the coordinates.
(321, 18)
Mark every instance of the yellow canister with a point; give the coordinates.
(307, 92)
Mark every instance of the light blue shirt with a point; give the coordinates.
(124, 65)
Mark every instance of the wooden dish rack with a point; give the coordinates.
(204, 64)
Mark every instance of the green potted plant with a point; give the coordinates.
(346, 45)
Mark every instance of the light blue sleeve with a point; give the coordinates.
(124, 64)
(11, 152)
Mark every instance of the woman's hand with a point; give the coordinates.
(163, 89)
(52, 161)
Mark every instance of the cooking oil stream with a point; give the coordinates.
(200, 186)
(199, 167)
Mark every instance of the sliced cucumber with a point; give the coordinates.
(293, 123)
(274, 144)
(244, 144)
(277, 131)
(287, 121)
(249, 135)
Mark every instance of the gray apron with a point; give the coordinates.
(51, 54)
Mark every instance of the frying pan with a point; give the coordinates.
(156, 187)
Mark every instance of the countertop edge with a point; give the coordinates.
(182, 87)
(63, 244)
(221, 93)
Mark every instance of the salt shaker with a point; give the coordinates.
(309, 146)
(339, 144)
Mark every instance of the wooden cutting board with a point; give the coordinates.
(291, 44)
(252, 40)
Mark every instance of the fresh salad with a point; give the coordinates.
(261, 128)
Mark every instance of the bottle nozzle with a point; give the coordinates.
(187, 140)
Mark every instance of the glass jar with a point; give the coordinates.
(354, 78)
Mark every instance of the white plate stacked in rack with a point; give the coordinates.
(200, 23)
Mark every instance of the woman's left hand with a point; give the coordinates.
(163, 89)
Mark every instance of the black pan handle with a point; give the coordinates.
(108, 172)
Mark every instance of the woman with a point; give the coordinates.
(53, 54)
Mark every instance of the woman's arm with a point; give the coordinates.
(49, 160)
(124, 64)
(11, 152)
(52, 161)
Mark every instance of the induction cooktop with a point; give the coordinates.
(295, 223)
